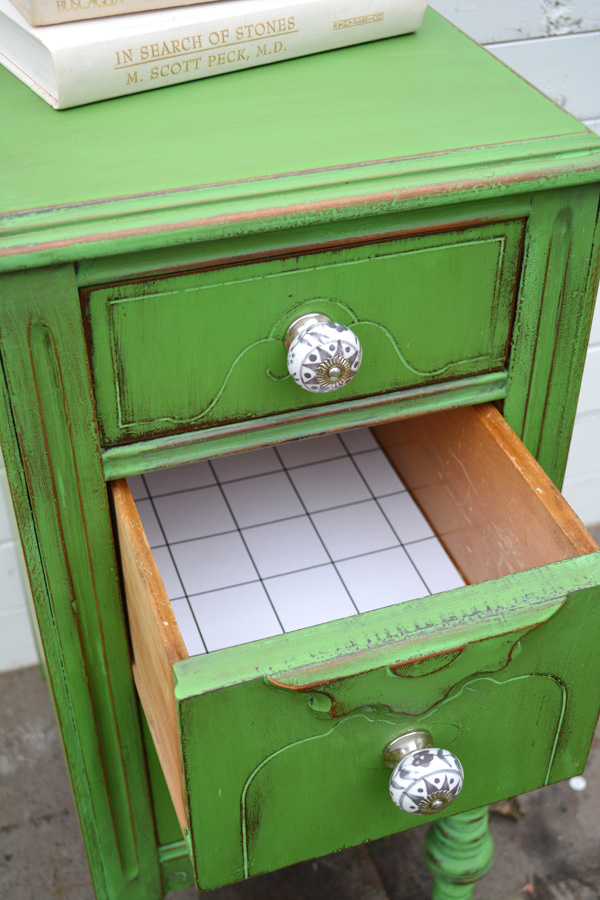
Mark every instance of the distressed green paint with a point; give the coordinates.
(144, 456)
(459, 851)
(340, 696)
(321, 155)
(356, 799)
(425, 309)
(195, 172)
(553, 322)
(329, 699)
(205, 125)
(532, 745)
(173, 857)
(328, 233)
(75, 588)
(49, 379)
(543, 369)
(45, 238)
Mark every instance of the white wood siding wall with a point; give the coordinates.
(17, 647)
(554, 44)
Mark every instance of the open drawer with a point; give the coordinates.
(272, 750)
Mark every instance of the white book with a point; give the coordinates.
(80, 62)
(49, 12)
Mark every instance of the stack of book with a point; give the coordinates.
(73, 52)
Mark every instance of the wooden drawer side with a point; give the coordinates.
(492, 505)
(156, 640)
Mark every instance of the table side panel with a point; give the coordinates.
(76, 591)
(561, 268)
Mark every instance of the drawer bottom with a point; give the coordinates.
(274, 540)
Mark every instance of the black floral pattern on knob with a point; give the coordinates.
(422, 758)
(426, 781)
(314, 353)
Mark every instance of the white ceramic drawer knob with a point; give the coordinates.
(322, 355)
(425, 779)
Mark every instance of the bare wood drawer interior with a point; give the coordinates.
(483, 495)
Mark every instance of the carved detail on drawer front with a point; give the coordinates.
(205, 348)
(408, 696)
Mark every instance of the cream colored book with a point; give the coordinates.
(81, 62)
(52, 12)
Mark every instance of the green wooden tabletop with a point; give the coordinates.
(327, 132)
(309, 113)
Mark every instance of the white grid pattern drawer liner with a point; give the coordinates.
(281, 538)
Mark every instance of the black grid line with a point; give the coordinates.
(381, 509)
(345, 506)
(241, 533)
(160, 525)
(316, 530)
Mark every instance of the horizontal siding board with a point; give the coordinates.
(583, 494)
(566, 69)
(17, 646)
(514, 20)
(584, 455)
(589, 398)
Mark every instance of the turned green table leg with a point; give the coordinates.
(459, 851)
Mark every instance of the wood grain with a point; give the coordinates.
(565, 68)
(515, 20)
(156, 640)
(487, 498)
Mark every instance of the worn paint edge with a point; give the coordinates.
(405, 631)
(566, 145)
(148, 455)
(40, 237)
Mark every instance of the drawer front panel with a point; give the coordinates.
(206, 348)
(303, 782)
(287, 775)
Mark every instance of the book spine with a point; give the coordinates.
(53, 12)
(129, 62)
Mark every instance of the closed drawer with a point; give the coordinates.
(206, 348)
(272, 750)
